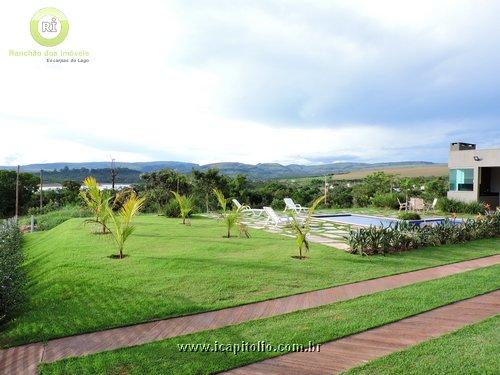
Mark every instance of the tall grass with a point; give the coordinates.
(52, 219)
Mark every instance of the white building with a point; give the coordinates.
(474, 174)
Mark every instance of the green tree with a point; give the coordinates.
(159, 184)
(70, 192)
(409, 186)
(436, 188)
(206, 182)
(380, 182)
(239, 187)
(340, 196)
(28, 185)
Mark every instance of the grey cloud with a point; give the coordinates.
(336, 67)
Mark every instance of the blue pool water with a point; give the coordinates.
(366, 220)
(360, 220)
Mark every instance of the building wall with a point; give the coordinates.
(463, 196)
(465, 159)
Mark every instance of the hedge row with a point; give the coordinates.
(406, 236)
(12, 276)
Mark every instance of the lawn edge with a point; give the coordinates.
(249, 303)
(319, 342)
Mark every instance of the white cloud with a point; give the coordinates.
(239, 81)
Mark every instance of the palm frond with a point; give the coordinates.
(221, 199)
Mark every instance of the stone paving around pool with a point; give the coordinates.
(322, 232)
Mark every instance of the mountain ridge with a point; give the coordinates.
(259, 171)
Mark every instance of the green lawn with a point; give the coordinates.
(173, 270)
(471, 350)
(318, 325)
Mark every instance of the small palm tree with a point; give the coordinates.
(186, 205)
(230, 216)
(302, 229)
(97, 200)
(122, 220)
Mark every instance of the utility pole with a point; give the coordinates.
(326, 189)
(17, 193)
(41, 188)
(113, 175)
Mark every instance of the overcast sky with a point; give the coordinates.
(309, 81)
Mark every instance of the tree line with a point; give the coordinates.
(378, 189)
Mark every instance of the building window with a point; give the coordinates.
(461, 179)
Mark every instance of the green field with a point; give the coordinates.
(470, 350)
(436, 170)
(318, 325)
(407, 171)
(173, 270)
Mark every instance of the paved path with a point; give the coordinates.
(23, 359)
(340, 355)
(324, 233)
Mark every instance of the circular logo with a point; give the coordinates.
(49, 27)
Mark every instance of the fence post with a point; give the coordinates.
(32, 229)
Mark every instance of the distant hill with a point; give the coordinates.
(258, 171)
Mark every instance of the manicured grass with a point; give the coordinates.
(318, 325)
(470, 350)
(173, 270)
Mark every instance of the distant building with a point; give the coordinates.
(474, 174)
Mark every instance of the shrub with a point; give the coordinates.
(172, 209)
(452, 205)
(230, 216)
(406, 236)
(361, 194)
(449, 205)
(278, 204)
(185, 205)
(473, 208)
(407, 215)
(12, 276)
(52, 219)
(121, 221)
(387, 200)
(48, 207)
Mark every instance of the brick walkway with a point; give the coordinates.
(24, 359)
(340, 355)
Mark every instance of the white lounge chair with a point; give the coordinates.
(402, 205)
(291, 205)
(432, 206)
(247, 209)
(275, 218)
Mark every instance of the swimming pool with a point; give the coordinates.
(378, 221)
